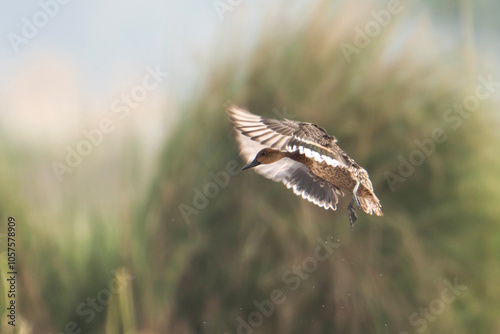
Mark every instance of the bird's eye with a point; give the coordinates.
(264, 153)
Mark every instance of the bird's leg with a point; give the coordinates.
(350, 208)
(355, 197)
(352, 212)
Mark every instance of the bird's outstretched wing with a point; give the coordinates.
(286, 135)
(299, 178)
(268, 132)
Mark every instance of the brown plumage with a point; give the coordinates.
(305, 158)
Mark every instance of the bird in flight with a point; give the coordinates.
(305, 158)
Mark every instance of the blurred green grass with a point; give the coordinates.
(441, 223)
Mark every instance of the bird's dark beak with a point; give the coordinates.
(252, 164)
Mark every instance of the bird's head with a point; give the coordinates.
(264, 157)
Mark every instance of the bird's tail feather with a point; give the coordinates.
(370, 204)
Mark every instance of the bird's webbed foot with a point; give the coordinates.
(351, 211)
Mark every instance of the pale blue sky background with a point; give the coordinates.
(90, 52)
(105, 38)
(108, 44)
